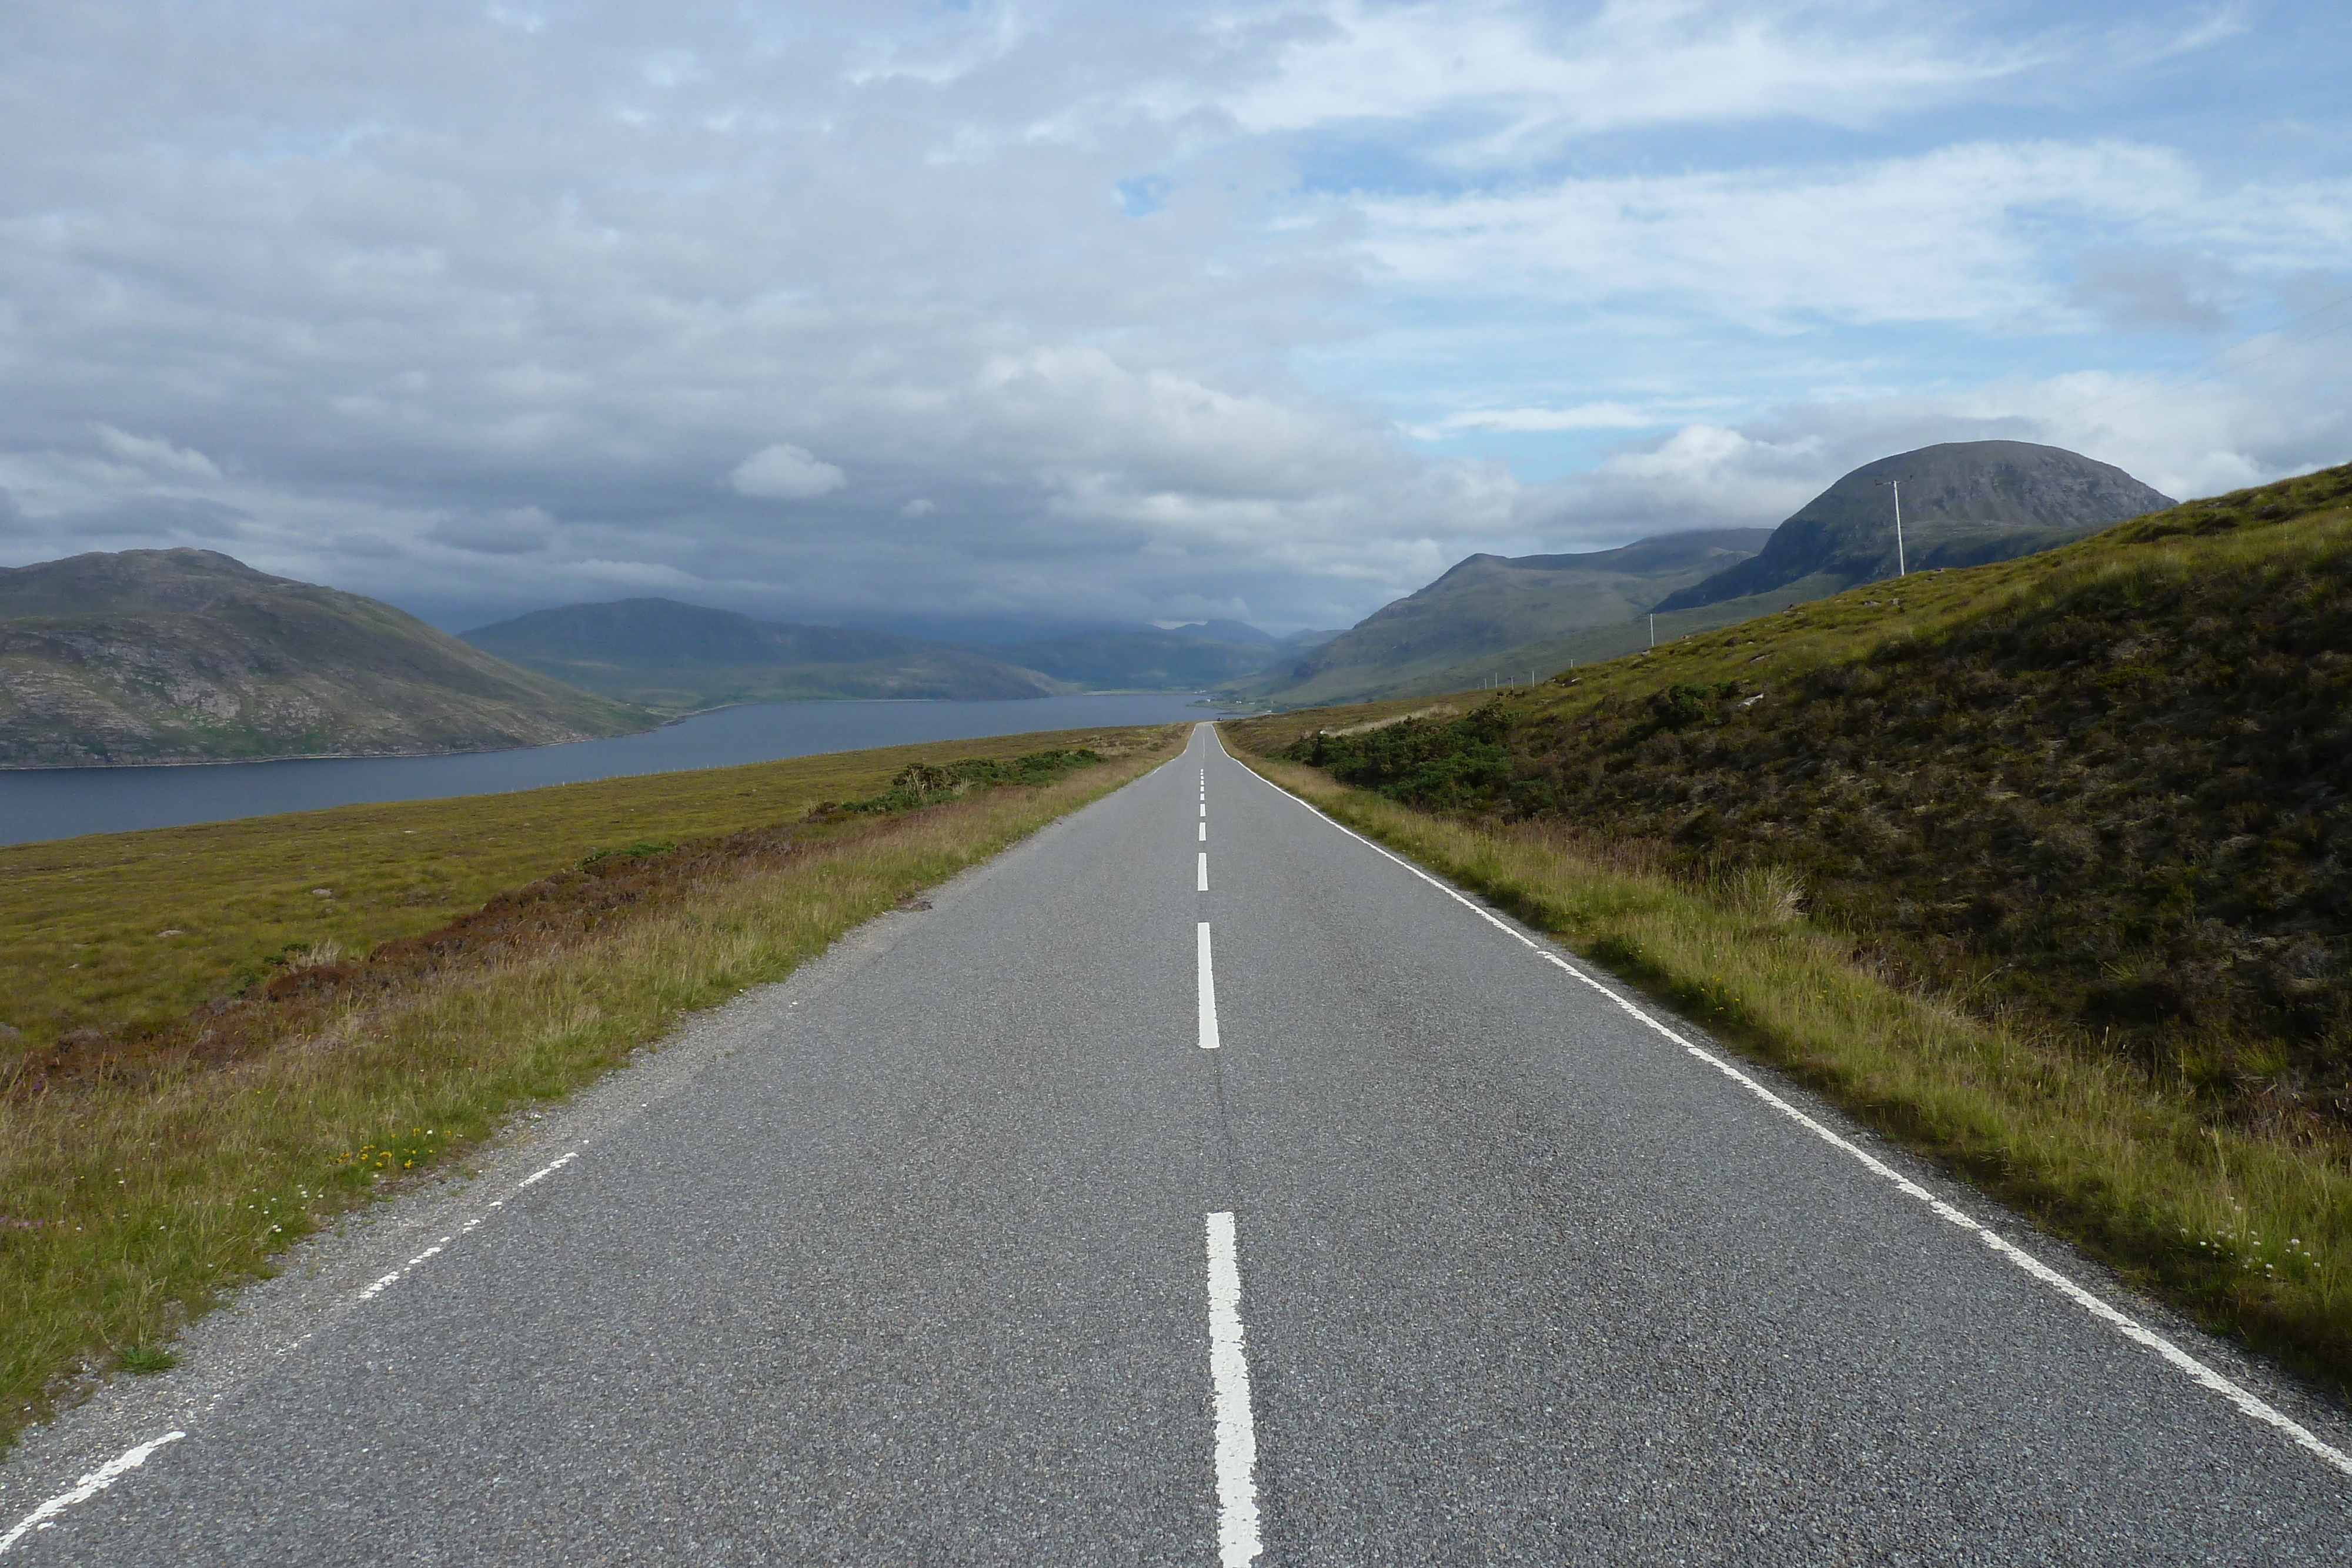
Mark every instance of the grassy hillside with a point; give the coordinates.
(1485, 613)
(677, 658)
(186, 655)
(2105, 784)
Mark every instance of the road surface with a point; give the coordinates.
(1197, 1184)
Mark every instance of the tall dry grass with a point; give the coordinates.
(2252, 1234)
(125, 1209)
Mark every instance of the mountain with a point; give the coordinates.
(188, 655)
(682, 658)
(1238, 632)
(1964, 503)
(1145, 658)
(1488, 608)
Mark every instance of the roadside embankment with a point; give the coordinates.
(2249, 1231)
(149, 1162)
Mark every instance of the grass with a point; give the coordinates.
(2253, 1234)
(114, 930)
(2102, 786)
(129, 1199)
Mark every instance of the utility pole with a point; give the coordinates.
(1896, 485)
(1654, 630)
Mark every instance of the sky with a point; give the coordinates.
(980, 315)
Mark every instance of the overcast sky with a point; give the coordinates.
(1152, 312)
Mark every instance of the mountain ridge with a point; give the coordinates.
(1485, 606)
(137, 657)
(675, 657)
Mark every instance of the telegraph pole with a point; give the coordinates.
(1896, 485)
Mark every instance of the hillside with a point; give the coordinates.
(1145, 658)
(682, 658)
(2101, 787)
(187, 655)
(1486, 609)
(1964, 503)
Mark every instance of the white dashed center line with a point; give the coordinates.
(1203, 884)
(1237, 1539)
(1209, 1040)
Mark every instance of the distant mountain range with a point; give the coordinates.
(1496, 620)
(188, 655)
(674, 657)
(681, 658)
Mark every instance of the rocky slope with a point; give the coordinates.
(187, 655)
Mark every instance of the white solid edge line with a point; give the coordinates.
(2130, 1328)
(97, 1480)
(1236, 1429)
(1203, 884)
(113, 1470)
(1209, 1040)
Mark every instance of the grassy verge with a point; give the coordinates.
(2253, 1235)
(129, 1199)
(114, 930)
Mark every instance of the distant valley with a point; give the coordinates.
(675, 658)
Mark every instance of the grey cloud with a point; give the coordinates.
(523, 530)
(2134, 290)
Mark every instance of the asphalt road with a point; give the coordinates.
(919, 1262)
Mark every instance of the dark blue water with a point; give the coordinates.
(61, 803)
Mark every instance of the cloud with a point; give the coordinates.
(1585, 416)
(1957, 235)
(1273, 310)
(2131, 291)
(518, 530)
(781, 473)
(1540, 78)
(157, 455)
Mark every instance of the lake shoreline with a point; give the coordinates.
(39, 804)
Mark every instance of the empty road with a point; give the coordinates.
(1198, 1183)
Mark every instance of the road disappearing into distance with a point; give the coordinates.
(1200, 1183)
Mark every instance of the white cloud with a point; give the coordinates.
(158, 455)
(1957, 235)
(783, 472)
(1624, 64)
(1584, 416)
